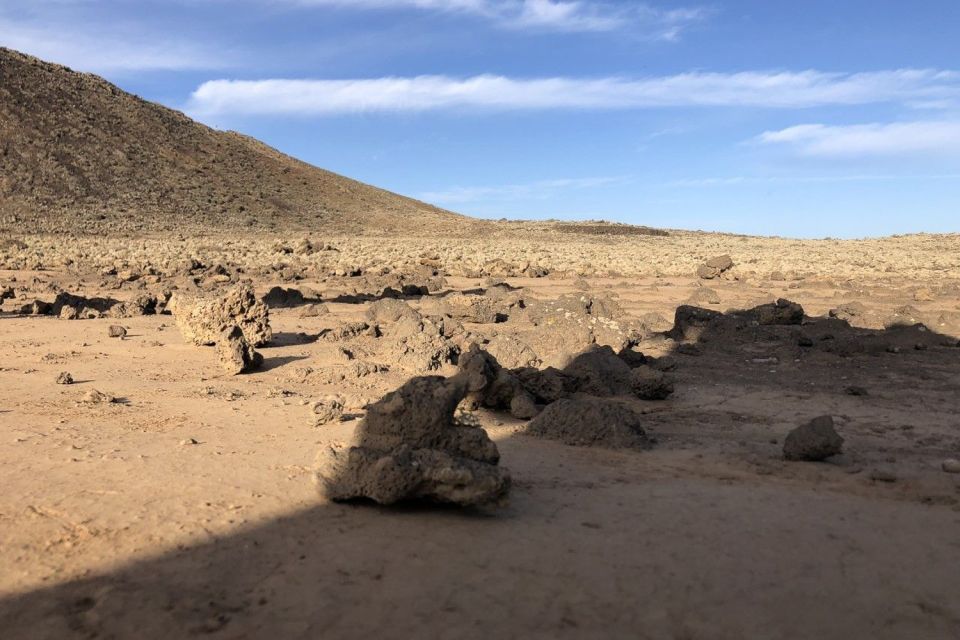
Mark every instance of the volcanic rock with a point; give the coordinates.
(702, 296)
(410, 447)
(781, 312)
(473, 308)
(714, 267)
(510, 352)
(814, 441)
(588, 421)
(651, 384)
(203, 320)
(391, 310)
(690, 322)
(235, 353)
(279, 297)
(328, 409)
(492, 386)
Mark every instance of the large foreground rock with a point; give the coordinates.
(203, 320)
(588, 421)
(816, 440)
(410, 447)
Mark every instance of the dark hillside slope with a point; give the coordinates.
(79, 154)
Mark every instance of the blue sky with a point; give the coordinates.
(805, 119)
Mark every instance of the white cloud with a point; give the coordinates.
(529, 191)
(876, 139)
(103, 51)
(489, 92)
(547, 15)
(733, 181)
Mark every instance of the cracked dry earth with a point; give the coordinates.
(187, 507)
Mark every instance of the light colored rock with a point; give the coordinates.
(236, 355)
(203, 320)
(328, 409)
(951, 465)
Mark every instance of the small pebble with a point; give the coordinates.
(883, 475)
(64, 378)
(951, 465)
(116, 331)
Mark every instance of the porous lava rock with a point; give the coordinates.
(567, 325)
(492, 386)
(715, 267)
(279, 297)
(391, 310)
(410, 447)
(203, 320)
(690, 322)
(235, 353)
(511, 352)
(703, 295)
(781, 312)
(600, 372)
(813, 441)
(328, 409)
(424, 344)
(651, 384)
(589, 421)
(474, 308)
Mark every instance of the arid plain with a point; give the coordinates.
(182, 499)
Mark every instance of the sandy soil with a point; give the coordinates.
(188, 507)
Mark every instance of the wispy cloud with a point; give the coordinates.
(102, 50)
(548, 15)
(752, 181)
(490, 92)
(530, 191)
(876, 139)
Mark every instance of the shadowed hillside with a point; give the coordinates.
(79, 154)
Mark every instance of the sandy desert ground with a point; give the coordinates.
(188, 504)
